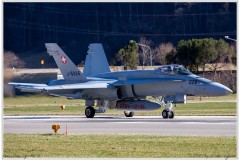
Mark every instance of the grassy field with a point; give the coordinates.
(39, 105)
(228, 97)
(117, 146)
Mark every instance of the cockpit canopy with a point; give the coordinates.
(174, 69)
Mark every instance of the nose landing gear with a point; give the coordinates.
(167, 114)
(168, 111)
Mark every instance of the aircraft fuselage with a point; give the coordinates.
(171, 84)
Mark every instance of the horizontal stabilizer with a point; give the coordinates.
(28, 87)
(15, 84)
(78, 86)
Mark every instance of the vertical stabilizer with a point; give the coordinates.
(68, 69)
(96, 61)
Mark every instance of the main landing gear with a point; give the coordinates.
(129, 113)
(90, 111)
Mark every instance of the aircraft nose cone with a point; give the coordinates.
(218, 89)
(228, 91)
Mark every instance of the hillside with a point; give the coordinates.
(27, 26)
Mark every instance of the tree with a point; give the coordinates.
(12, 61)
(171, 57)
(145, 54)
(233, 50)
(162, 51)
(224, 54)
(128, 55)
(206, 52)
(186, 53)
(196, 53)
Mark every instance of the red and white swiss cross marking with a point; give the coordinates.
(63, 59)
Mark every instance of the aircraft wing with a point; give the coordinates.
(36, 88)
(144, 81)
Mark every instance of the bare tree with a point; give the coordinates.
(8, 76)
(226, 77)
(229, 79)
(162, 51)
(11, 60)
(145, 54)
(233, 50)
(217, 66)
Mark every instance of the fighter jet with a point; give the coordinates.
(123, 90)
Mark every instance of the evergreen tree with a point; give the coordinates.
(128, 55)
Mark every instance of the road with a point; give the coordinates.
(148, 125)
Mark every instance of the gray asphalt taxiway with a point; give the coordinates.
(149, 125)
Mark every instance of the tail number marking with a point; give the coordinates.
(74, 73)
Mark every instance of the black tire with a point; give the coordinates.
(171, 114)
(129, 114)
(165, 114)
(89, 112)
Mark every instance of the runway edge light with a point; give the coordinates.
(66, 129)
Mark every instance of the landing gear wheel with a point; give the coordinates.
(165, 114)
(129, 114)
(171, 114)
(89, 112)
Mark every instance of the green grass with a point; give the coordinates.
(118, 146)
(229, 97)
(39, 100)
(39, 105)
(211, 108)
